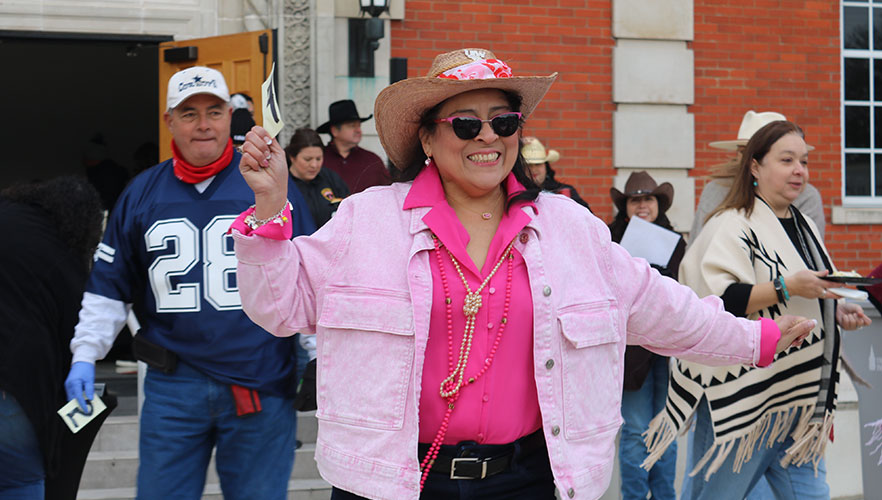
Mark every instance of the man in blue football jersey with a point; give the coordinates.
(214, 379)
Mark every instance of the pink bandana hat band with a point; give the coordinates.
(478, 70)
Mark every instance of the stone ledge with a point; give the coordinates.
(856, 215)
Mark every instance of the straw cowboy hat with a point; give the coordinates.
(751, 122)
(534, 152)
(400, 106)
(641, 184)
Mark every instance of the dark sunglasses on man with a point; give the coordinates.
(468, 127)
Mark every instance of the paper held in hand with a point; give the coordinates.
(76, 418)
(272, 115)
(649, 241)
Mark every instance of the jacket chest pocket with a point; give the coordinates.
(592, 369)
(365, 357)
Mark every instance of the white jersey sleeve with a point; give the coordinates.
(101, 319)
(307, 342)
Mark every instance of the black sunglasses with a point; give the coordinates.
(468, 127)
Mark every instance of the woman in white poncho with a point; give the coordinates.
(764, 259)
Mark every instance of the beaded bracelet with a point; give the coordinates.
(279, 218)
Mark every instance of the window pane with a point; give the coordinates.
(857, 79)
(857, 126)
(857, 174)
(878, 191)
(877, 117)
(855, 28)
(877, 79)
(877, 29)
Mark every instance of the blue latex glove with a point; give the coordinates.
(80, 379)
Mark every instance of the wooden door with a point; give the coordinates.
(245, 60)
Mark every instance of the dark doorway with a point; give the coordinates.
(72, 98)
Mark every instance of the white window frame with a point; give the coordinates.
(870, 55)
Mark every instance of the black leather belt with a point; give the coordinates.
(460, 462)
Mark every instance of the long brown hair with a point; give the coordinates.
(742, 194)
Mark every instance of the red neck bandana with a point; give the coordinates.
(193, 175)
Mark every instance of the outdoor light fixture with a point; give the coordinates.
(374, 7)
(373, 27)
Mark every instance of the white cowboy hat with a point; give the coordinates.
(534, 152)
(751, 122)
(400, 106)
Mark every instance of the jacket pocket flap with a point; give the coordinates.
(368, 310)
(587, 325)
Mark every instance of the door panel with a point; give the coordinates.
(239, 57)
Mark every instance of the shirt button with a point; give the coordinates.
(491, 290)
(486, 398)
(546, 291)
(524, 237)
(555, 430)
(571, 493)
(490, 325)
(549, 364)
(480, 436)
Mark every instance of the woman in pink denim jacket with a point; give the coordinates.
(470, 330)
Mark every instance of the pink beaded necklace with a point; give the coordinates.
(451, 386)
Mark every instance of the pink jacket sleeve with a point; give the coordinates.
(278, 278)
(669, 319)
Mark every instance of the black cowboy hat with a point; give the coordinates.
(341, 112)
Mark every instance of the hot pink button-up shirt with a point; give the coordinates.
(501, 405)
(363, 283)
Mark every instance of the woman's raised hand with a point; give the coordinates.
(809, 284)
(264, 168)
(794, 329)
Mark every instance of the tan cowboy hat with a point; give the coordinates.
(751, 122)
(534, 152)
(399, 107)
(640, 184)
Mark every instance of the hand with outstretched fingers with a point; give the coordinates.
(794, 329)
(81, 379)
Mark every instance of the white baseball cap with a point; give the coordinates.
(196, 80)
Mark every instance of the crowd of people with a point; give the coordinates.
(470, 330)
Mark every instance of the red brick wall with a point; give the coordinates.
(780, 55)
(774, 55)
(572, 37)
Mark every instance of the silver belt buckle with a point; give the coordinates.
(454, 461)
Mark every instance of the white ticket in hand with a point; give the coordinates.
(272, 115)
(76, 418)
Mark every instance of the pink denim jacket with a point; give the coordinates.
(362, 283)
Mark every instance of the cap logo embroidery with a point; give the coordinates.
(197, 82)
(475, 55)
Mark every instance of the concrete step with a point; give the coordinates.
(298, 489)
(119, 469)
(120, 433)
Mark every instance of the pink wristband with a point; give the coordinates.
(770, 334)
(281, 230)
